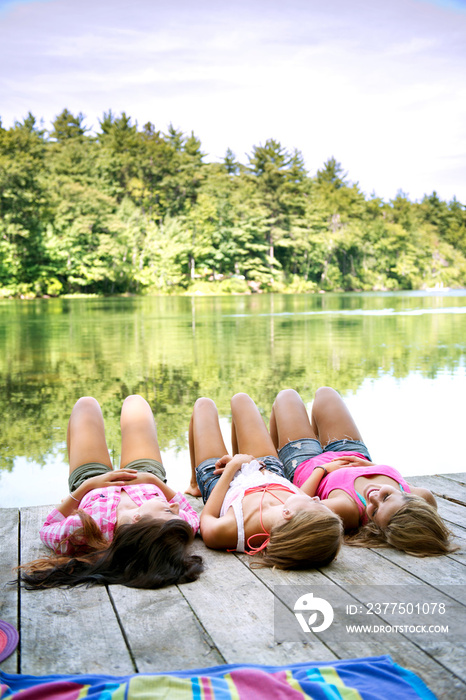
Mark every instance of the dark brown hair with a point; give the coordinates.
(148, 554)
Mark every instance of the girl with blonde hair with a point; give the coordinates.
(326, 457)
(249, 504)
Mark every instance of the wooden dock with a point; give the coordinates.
(227, 616)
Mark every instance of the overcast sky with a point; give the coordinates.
(378, 85)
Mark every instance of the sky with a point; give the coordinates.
(380, 86)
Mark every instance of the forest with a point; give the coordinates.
(132, 210)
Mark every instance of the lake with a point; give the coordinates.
(398, 359)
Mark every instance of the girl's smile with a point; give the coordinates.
(382, 503)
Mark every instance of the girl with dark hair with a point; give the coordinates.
(116, 526)
(327, 458)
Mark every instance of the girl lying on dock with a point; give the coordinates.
(327, 458)
(249, 504)
(116, 526)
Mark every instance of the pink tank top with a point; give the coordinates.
(344, 478)
(304, 470)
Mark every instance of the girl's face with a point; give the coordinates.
(300, 502)
(156, 508)
(383, 502)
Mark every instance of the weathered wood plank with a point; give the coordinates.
(459, 532)
(451, 512)
(405, 652)
(9, 546)
(442, 487)
(66, 631)
(162, 631)
(436, 571)
(356, 567)
(459, 540)
(459, 477)
(237, 612)
(228, 615)
(377, 570)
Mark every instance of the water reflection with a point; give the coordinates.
(174, 349)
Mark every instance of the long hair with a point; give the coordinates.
(147, 554)
(416, 528)
(309, 540)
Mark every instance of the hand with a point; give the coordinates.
(142, 477)
(232, 464)
(347, 461)
(117, 477)
(221, 463)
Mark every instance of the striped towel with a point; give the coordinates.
(354, 679)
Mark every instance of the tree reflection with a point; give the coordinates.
(51, 353)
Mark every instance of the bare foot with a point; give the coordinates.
(193, 490)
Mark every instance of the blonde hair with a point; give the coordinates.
(416, 528)
(309, 540)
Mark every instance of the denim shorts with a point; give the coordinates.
(206, 479)
(86, 471)
(296, 452)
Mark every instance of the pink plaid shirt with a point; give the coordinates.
(101, 505)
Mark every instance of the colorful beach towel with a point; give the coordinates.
(371, 678)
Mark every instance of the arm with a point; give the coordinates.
(216, 498)
(312, 482)
(56, 529)
(118, 477)
(149, 478)
(425, 494)
(186, 511)
(344, 506)
(221, 532)
(348, 461)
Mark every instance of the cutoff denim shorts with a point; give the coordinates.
(296, 452)
(86, 471)
(206, 479)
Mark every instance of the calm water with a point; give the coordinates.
(398, 359)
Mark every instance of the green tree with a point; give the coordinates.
(332, 175)
(23, 206)
(118, 155)
(84, 241)
(230, 163)
(279, 176)
(186, 175)
(71, 155)
(66, 126)
(156, 163)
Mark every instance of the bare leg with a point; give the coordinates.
(193, 488)
(249, 433)
(86, 434)
(205, 438)
(331, 419)
(289, 419)
(138, 431)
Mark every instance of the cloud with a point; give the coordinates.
(378, 85)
